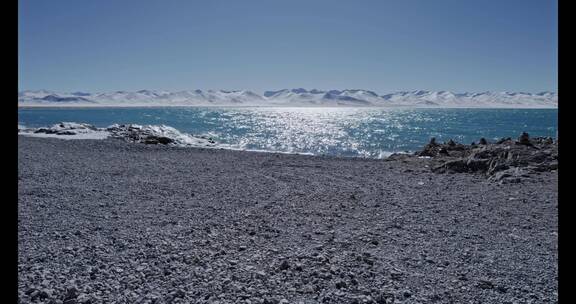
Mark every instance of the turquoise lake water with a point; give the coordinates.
(364, 132)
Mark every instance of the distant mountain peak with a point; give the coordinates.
(295, 97)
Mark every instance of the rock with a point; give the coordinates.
(298, 267)
(484, 284)
(45, 294)
(501, 289)
(178, 293)
(340, 284)
(384, 298)
(538, 157)
(524, 139)
(154, 135)
(431, 149)
(511, 174)
(396, 275)
(66, 133)
(284, 265)
(489, 159)
(454, 166)
(71, 295)
(261, 274)
(84, 299)
(163, 140)
(44, 130)
(34, 295)
(496, 165)
(476, 165)
(151, 141)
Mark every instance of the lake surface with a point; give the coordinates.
(364, 132)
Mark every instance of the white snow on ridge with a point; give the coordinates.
(292, 97)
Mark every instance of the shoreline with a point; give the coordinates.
(105, 220)
(387, 153)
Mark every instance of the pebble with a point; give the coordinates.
(149, 191)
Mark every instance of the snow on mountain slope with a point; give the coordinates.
(481, 100)
(295, 96)
(292, 97)
(322, 98)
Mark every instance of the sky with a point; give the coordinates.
(384, 46)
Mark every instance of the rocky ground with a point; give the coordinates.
(105, 221)
(503, 161)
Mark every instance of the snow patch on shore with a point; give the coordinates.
(65, 130)
(148, 134)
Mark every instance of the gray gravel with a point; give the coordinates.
(113, 222)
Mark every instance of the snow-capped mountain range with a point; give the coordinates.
(292, 97)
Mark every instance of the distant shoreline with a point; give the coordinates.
(87, 106)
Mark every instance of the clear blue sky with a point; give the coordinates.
(386, 46)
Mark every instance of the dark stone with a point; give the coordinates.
(340, 284)
(165, 140)
(284, 265)
(483, 284)
(502, 289)
(47, 131)
(431, 149)
(524, 139)
(384, 298)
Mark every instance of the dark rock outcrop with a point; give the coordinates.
(506, 160)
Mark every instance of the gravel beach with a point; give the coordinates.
(104, 221)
